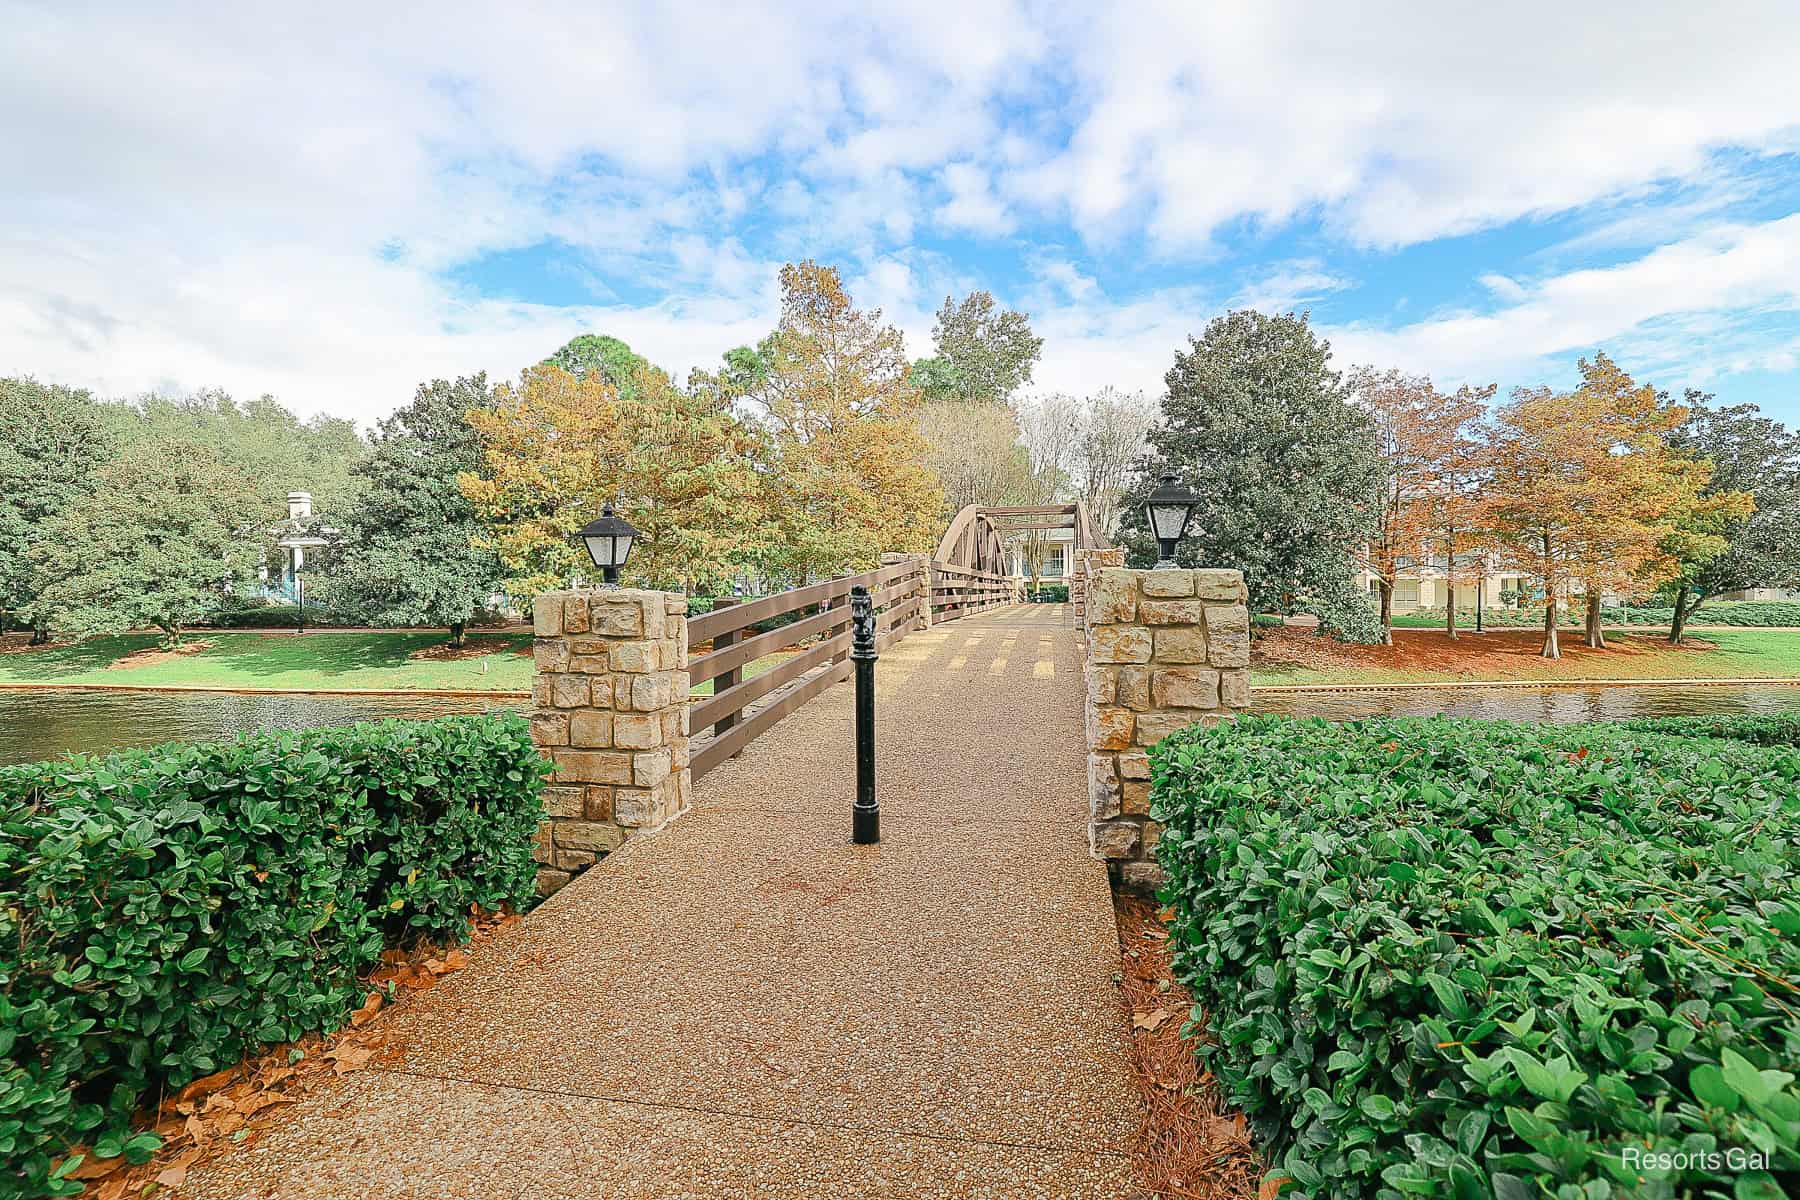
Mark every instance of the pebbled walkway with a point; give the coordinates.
(746, 1005)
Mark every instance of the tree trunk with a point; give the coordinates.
(1596, 637)
(1551, 649)
(40, 633)
(1450, 609)
(1387, 612)
(456, 633)
(1678, 622)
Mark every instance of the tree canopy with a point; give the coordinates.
(406, 552)
(984, 354)
(1257, 423)
(590, 353)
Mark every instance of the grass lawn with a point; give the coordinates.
(253, 659)
(499, 662)
(1290, 656)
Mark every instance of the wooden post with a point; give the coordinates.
(729, 678)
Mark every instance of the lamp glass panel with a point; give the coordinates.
(600, 549)
(1166, 520)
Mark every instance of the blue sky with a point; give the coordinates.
(334, 206)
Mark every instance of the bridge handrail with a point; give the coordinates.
(895, 591)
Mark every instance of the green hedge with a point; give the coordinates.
(1471, 959)
(1761, 729)
(1050, 593)
(163, 912)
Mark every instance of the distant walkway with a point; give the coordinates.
(745, 1004)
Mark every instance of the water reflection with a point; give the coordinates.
(1559, 705)
(37, 725)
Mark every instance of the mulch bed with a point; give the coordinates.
(150, 656)
(1498, 653)
(445, 652)
(1188, 1146)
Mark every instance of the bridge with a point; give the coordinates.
(723, 997)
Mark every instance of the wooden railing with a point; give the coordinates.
(732, 712)
(960, 591)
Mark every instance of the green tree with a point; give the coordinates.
(985, 354)
(160, 540)
(266, 444)
(1721, 549)
(51, 441)
(405, 554)
(615, 362)
(1257, 423)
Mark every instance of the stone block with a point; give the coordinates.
(550, 881)
(655, 609)
(1167, 585)
(616, 617)
(594, 836)
(676, 606)
(597, 804)
(634, 807)
(1134, 764)
(1119, 644)
(1234, 689)
(1114, 839)
(592, 766)
(1134, 687)
(1102, 685)
(1228, 636)
(542, 693)
(575, 614)
(1172, 612)
(574, 861)
(587, 664)
(1103, 788)
(1109, 728)
(546, 614)
(591, 728)
(1112, 598)
(638, 731)
(1134, 797)
(1154, 727)
(651, 767)
(1186, 687)
(543, 846)
(635, 657)
(1142, 876)
(563, 801)
(550, 728)
(1217, 583)
(589, 646)
(571, 691)
(550, 655)
(1180, 644)
(650, 692)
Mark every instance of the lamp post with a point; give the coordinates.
(608, 539)
(1169, 509)
(865, 815)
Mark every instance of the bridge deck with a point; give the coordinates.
(746, 1004)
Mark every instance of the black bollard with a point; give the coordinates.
(865, 820)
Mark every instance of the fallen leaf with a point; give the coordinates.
(207, 1083)
(349, 1058)
(95, 1168)
(196, 1129)
(366, 1013)
(1272, 1185)
(456, 960)
(1148, 1022)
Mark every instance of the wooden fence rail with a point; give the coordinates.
(728, 711)
(962, 591)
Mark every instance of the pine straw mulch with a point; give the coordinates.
(1188, 1146)
(219, 1113)
(1496, 654)
(150, 656)
(445, 652)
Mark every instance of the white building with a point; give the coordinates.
(295, 539)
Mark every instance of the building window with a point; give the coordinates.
(1406, 591)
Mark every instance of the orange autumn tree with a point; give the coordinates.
(846, 463)
(678, 465)
(1586, 488)
(1428, 502)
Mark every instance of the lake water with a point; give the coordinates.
(36, 725)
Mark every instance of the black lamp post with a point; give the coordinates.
(608, 540)
(1170, 508)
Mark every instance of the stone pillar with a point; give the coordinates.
(1089, 562)
(609, 707)
(923, 589)
(1164, 649)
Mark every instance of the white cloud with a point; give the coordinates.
(270, 199)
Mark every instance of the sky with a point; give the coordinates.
(330, 203)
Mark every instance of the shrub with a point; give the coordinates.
(1048, 593)
(1760, 729)
(165, 911)
(1746, 613)
(1471, 959)
(1347, 613)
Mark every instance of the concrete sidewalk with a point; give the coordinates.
(746, 1005)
